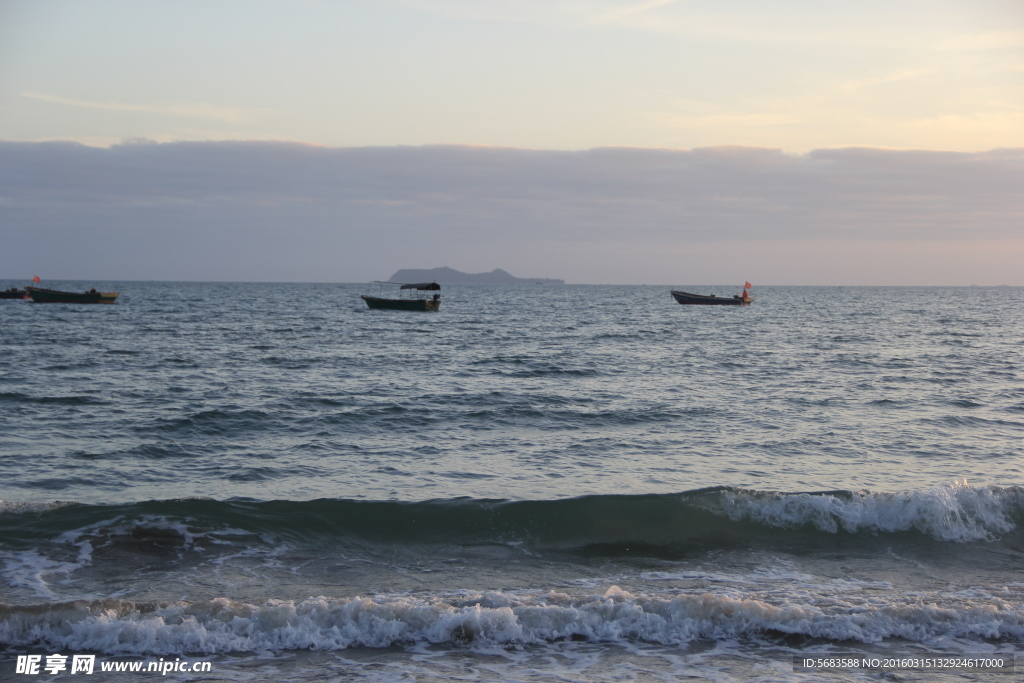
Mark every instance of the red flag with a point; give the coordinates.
(747, 285)
(35, 278)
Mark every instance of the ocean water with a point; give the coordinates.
(537, 483)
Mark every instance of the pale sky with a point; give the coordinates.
(571, 74)
(666, 141)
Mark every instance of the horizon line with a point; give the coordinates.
(499, 284)
(143, 142)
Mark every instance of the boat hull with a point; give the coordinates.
(401, 304)
(52, 296)
(705, 300)
(17, 294)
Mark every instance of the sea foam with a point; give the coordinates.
(489, 619)
(953, 512)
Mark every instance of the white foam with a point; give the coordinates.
(35, 570)
(10, 507)
(28, 569)
(949, 512)
(765, 577)
(496, 619)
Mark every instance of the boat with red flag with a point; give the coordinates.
(687, 298)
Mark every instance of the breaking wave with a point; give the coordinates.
(506, 619)
(955, 513)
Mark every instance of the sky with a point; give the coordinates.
(660, 141)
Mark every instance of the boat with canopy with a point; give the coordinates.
(411, 296)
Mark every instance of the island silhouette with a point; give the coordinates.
(450, 276)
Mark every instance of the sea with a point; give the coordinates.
(271, 482)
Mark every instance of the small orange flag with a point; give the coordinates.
(35, 278)
(747, 285)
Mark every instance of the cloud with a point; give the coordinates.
(262, 210)
(991, 40)
(728, 120)
(885, 80)
(195, 110)
(620, 13)
(996, 123)
(737, 21)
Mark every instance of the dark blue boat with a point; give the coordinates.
(416, 301)
(712, 300)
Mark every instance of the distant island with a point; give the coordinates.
(450, 276)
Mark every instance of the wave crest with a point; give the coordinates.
(222, 625)
(953, 512)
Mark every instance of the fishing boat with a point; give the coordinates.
(411, 297)
(711, 300)
(14, 293)
(52, 296)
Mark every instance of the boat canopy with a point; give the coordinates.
(431, 286)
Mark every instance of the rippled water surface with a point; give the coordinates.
(299, 392)
(536, 483)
